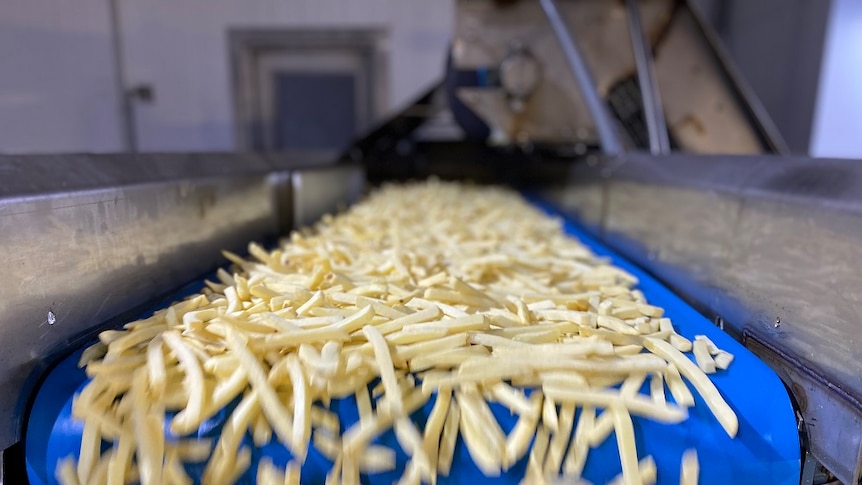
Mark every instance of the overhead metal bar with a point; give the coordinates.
(608, 138)
(659, 143)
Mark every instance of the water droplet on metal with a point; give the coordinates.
(777, 322)
(52, 319)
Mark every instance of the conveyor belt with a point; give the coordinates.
(766, 450)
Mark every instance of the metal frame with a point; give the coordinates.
(608, 138)
(767, 246)
(659, 142)
(248, 47)
(90, 240)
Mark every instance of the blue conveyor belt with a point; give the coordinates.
(765, 451)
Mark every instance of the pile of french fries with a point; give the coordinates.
(440, 292)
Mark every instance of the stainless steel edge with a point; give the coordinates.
(769, 247)
(76, 260)
(86, 238)
(319, 192)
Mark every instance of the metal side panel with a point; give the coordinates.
(74, 261)
(86, 240)
(318, 192)
(767, 246)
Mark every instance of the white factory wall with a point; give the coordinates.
(181, 49)
(837, 129)
(57, 91)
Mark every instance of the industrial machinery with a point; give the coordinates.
(558, 99)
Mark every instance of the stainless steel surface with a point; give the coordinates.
(767, 245)
(87, 238)
(75, 261)
(323, 191)
(607, 133)
(659, 143)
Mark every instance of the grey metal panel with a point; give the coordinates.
(320, 192)
(769, 246)
(42, 174)
(74, 261)
(86, 238)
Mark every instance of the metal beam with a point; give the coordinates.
(659, 144)
(610, 141)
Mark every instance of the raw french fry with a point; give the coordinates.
(482, 434)
(702, 356)
(434, 426)
(626, 443)
(448, 439)
(723, 413)
(560, 440)
(269, 402)
(189, 418)
(576, 457)
(465, 293)
(605, 422)
(646, 473)
(637, 405)
(377, 459)
(121, 460)
(689, 468)
(723, 359)
(412, 443)
(394, 398)
(148, 422)
(292, 473)
(268, 474)
(301, 407)
(66, 472)
(656, 386)
(536, 461)
(519, 438)
(90, 450)
(513, 399)
(243, 461)
(681, 395)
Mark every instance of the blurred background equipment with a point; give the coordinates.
(678, 133)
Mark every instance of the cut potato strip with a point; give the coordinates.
(689, 468)
(719, 407)
(465, 293)
(576, 457)
(647, 473)
(680, 392)
(703, 357)
(272, 407)
(560, 440)
(448, 439)
(637, 405)
(66, 474)
(519, 438)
